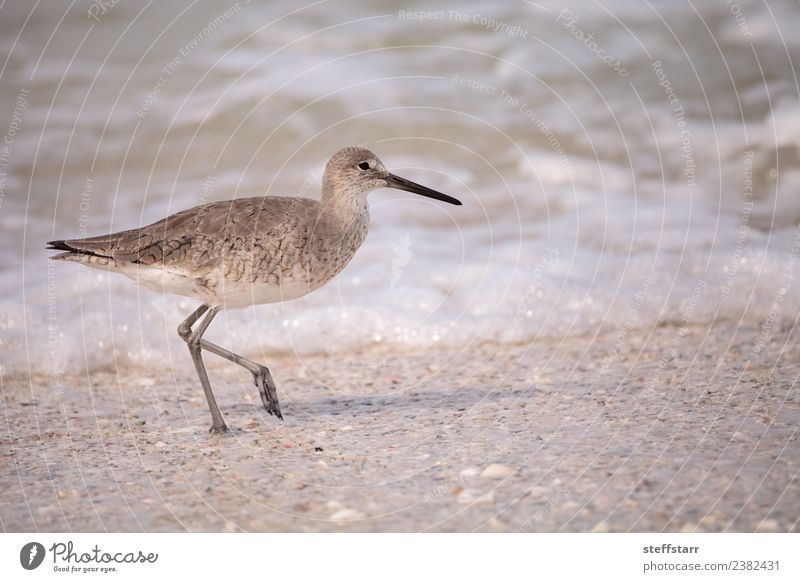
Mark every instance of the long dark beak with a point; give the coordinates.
(393, 181)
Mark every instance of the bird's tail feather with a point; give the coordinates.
(80, 251)
(84, 258)
(82, 246)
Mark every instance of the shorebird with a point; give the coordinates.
(248, 251)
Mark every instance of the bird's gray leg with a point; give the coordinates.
(193, 340)
(185, 328)
(261, 374)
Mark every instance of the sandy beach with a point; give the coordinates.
(680, 429)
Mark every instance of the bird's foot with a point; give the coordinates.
(267, 391)
(221, 429)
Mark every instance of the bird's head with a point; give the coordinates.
(356, 171)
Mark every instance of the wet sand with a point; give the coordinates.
(669, 429)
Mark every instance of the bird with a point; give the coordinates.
(247, 251)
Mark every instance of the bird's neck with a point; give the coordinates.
(343, 226)
(345, 210)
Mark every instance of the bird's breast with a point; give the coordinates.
(332, 253)
(289, 264)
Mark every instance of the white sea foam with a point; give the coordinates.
(590, 204)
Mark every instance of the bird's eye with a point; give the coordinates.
(363, 166)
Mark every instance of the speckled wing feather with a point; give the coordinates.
(238, 237)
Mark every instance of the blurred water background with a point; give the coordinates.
(622, 165)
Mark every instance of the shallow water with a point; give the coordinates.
(622, 165)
